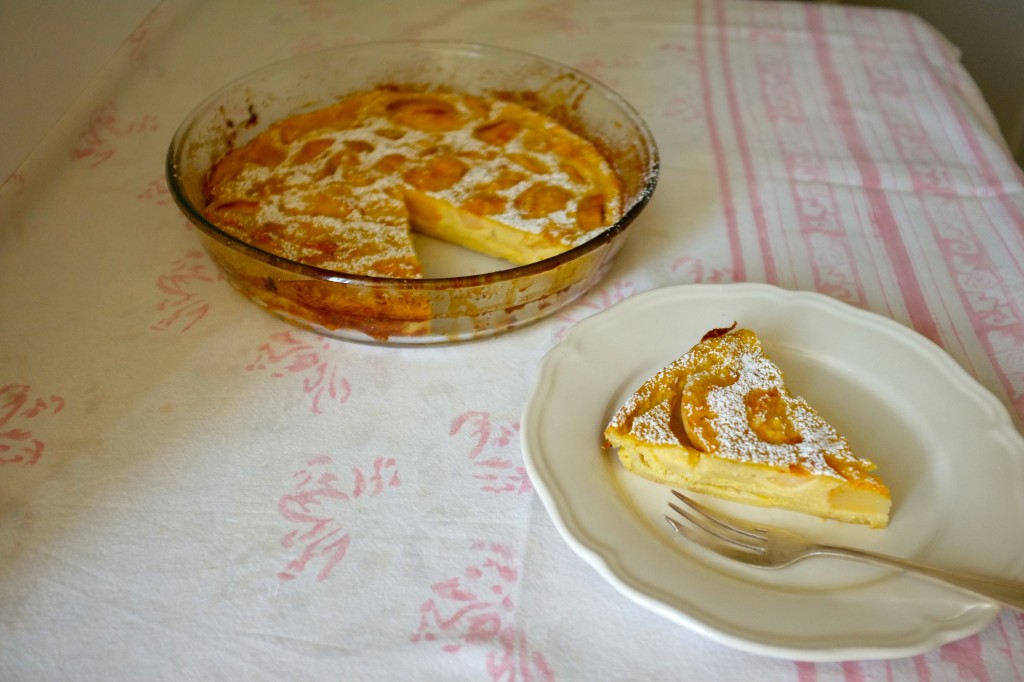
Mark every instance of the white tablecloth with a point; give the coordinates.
(191, 489)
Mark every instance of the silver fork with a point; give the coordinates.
(766, 547)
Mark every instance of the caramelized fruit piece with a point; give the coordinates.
(439, 173)
(497, 133)
(540, 200)
(426, 113)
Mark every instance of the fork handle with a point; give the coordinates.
(1006, 592)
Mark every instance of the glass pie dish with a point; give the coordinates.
(462, 295)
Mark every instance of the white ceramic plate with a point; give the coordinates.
(944, 444)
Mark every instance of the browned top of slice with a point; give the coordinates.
(327, 188)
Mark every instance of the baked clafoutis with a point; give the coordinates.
(720, 420)
(341, 187)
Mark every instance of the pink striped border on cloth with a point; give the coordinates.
(851, 158)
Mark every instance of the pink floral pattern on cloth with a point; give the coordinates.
(183, 303)
(494, 445)
(149, 481)
(20, 409)
(289, 354)
(320, 538)
(98, 143)
(476, 610)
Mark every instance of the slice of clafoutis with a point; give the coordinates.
(719, 420)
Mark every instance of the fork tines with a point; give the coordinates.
(704, 525)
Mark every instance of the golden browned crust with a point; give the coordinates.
(338, 187)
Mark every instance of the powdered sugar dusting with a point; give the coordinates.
(655, 426)
(708, 387)
(736, 439)
(343, 179)
(652, 404)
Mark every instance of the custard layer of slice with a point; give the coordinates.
(720, 420)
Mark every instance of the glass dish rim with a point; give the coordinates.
(639, 200)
